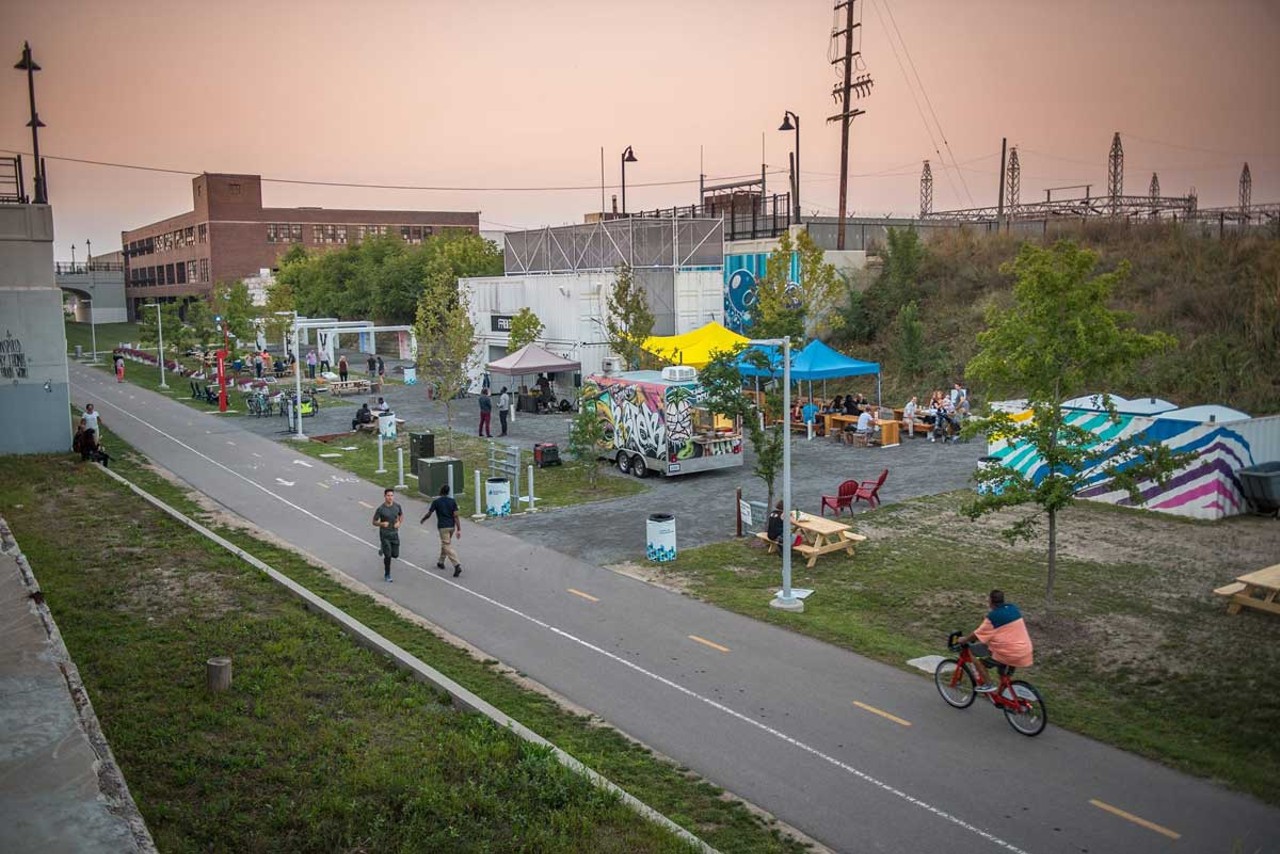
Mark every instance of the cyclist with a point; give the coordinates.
(1001, 641)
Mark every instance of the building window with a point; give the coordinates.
(181, 270)
(295, 233)
(329, 233)
(170, 276)
(202, 232)
(204, 269)
(191, 271)
(340, 233)
(234, 188)
(272, 234)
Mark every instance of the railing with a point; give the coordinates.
(69, 268)
(746, 216)
(11, 181)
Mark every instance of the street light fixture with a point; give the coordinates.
(628, 156)
(795, 172)
(160, 335)
(297, 377)
(785, 600)
(29, 65)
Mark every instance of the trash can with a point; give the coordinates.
(497, 497)
(420, 445)
(660, 541)
(387, 426)
(989, 487)
(1260, 485)
(79, 352)
(410, 376)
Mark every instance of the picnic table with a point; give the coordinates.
(1257, 589)
(821, 536)
(339, 387)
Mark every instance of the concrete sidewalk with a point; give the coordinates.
(60, 788)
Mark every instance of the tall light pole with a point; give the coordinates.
(160, 335)
(785, 600)
(28, 65)
(297, 377)
(795, 184)
(93, 328)
(628, 156)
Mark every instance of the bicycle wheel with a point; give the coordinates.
(960, 694)
(1032, 717)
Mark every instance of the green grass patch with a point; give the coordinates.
(320, 745)
(555, 486)
(1136, 652)
(110, 335)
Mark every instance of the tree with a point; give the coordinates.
(801, 308)
(1057, 340)
(526, 328)
(447, 340)
(586, 433)
(722, 386)
(909, 344)
(232, 302)
(628, 319)
(176, 334)
(203, 328)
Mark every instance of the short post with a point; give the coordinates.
(532, 508)
(217, 673)
(738, 511)
(479, 504)
(381, 469)
(453, 490)
(400, 484)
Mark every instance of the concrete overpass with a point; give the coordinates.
(98, 280)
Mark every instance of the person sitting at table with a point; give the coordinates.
(836, 406)
(363, 416)
(809, 413)
(773, 529)
(795, 412)
(849, 407)
(866, 423)
(382, 406)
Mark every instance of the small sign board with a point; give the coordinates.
(500, 322)
(744, 510)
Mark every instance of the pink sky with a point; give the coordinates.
(524, 94)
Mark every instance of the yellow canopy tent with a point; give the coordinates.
(693, 348)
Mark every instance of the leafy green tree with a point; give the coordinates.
(447, 339)
(1060, 339)
(175, 331)
(526, 329)
(204, 331)
(722, 385)
(232, 302)
(800, 309)
(628, 319)
(586, 433)
(909, 344)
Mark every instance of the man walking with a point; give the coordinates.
(311, 364)
(372, 364)
(445, 509)
(382, 370)
(486, 413)
(387, 519)
(504, 407)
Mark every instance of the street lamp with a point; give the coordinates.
(297, 377)
(628, 156)
(93, 328)
(785, 600)
(28, 65)
(795, 172)
(160, 335)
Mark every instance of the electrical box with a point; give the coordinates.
(433, 473)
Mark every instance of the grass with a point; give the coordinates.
(320, 745)
(109, 336)
(555, 486)
(1136, 653)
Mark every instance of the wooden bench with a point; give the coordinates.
(1230, 589)
(371, 427)
(339, 388)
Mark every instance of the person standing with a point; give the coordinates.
(311, 364)
(445, 509)
(90, 417)
(372, 364)
(387, 518)
(382, 370)
(504, 408)
(486, 413)
(257, 365)
(119, 360)
(342, 368)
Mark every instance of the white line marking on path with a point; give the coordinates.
(322, 484)
(302, 463)
(365, 504)
(284, 482)
(617, 659)
(256, 454)
(231, 443)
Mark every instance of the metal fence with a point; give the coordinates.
(641, 243)
(746, 216)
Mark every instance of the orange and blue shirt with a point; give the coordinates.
(1005, 634)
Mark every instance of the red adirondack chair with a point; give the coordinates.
(843, 499)
(869, 490)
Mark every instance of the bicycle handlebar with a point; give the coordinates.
(953, 640)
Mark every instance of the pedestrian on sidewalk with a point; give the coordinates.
(90, 417)
(504, 408)
(382, 370)
(486, 413)
(445, 509)
(257, 365)
(372, 365)
(311, 365)
(342, 368)
(387, 519)
(119, 360)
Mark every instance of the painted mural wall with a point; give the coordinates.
(656, 420)
(741, 272)
(1208, 488)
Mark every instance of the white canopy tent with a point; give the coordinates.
(531, 359)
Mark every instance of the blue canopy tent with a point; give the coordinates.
(816, 361)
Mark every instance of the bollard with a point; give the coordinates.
(532, 508)
(381, 469)
(400, 484)
(217, 674)
(453, 490)
(479, 505)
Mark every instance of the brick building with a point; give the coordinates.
(229, 235)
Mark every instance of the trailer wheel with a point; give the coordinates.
(638, 468)
(624, 462)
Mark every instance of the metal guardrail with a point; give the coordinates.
(68, 268)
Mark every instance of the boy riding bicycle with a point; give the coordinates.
(1001, 641)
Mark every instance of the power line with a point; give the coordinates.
(360, 186)
(1200, 149)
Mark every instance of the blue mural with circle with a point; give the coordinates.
(741, 272)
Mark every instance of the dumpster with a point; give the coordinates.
(660, 540)
(421, 445)
(1260, 485)
(497, 496)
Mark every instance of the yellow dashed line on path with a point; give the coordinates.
(323, 484)
(1141, 822)
(706, 642)
(873, 710)
(586, 596)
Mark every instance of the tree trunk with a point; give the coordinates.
(218, 674)
(1053, 559)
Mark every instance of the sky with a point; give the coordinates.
(525, 94)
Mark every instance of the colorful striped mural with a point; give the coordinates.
(741, 272)
(1208, 488)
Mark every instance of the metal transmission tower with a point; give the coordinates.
(1246, 190)
(1154, 192)
(926, 190)
(1013, 180)
(843, 93)
(1115, 175)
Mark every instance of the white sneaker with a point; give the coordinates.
(987, 688)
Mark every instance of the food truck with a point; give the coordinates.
(654, 421)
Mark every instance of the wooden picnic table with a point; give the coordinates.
(339, 388)
(1258, 589)
(821, 536)
(837, 421)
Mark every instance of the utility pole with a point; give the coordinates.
(1004, 148)
(926, 191)
(1115, 175)
(1013, 182)
(1246, 190)
(844, 92)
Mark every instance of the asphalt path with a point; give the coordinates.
(860, 755)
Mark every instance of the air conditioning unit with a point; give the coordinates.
(610, 365)
(680, 374)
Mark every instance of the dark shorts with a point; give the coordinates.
(390, 542)
(983, 654)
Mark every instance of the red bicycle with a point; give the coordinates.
(957, 680)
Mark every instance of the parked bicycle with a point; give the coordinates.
(957, 680)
